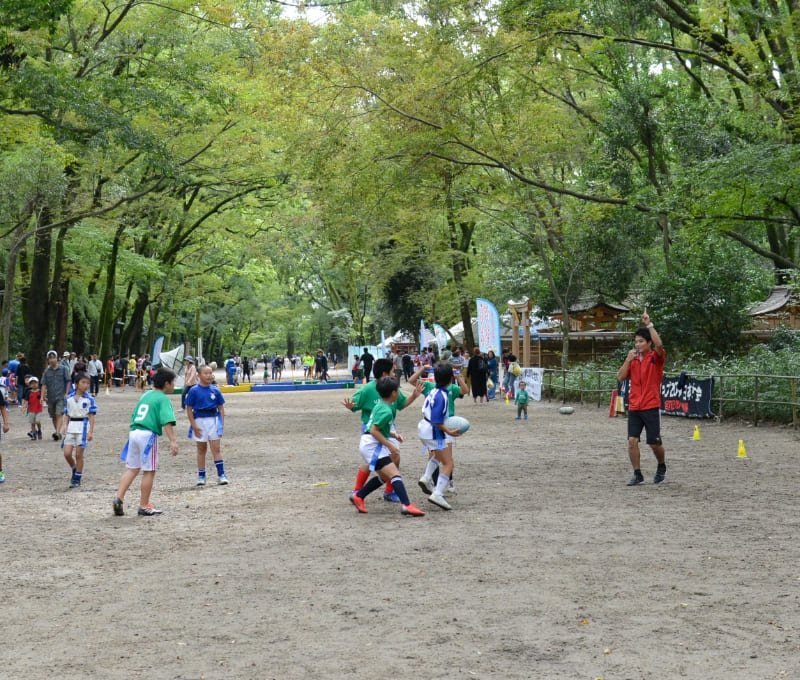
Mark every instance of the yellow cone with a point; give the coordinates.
(742, 451)
(696, 435)
(507, 401)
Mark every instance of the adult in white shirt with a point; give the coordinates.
(94, 369)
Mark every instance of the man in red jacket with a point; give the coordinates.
(645, 367)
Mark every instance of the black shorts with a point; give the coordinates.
(650, 421)
(382, 462)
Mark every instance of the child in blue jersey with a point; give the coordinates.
(365, 400)
(456, 390)
(205, 407)
(152, 416)
(78, 426)
(378, 445)
(438, 438)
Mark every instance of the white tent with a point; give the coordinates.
(174, 360)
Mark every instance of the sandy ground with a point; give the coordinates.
(547, 567)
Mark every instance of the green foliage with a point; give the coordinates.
(22, 15)
(701, 306)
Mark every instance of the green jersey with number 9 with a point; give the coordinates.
(153, 411)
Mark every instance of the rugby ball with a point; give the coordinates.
(457, 423)
(566, 410)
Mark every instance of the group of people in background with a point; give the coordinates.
(314, 366)
(128, 371)
(481, 371)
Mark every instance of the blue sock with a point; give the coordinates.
(220, 467)
(201, 472)
(373, 484)
(400, 489)
(77, 475)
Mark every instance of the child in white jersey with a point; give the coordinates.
(78, 428)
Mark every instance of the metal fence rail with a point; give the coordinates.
(758, 397)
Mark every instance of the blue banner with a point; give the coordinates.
(157, 351)
(488, 326)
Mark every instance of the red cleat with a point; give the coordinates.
(412, 510)
(356, 500)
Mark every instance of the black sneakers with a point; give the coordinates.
(660, 473)
(636, 480)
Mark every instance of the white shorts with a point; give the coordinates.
(34, 417)
(425, 430)
(73, 439)
(142, 450)
(205, 429)
(371, 449)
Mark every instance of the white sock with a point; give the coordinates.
(430, 468)
(441, 485)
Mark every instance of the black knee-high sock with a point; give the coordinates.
(370, 486)
(400, 489)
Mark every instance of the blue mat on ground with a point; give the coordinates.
(291, 387)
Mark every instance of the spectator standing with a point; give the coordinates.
(190, 379)
(55, 387)
(368, 360)
(94, 370)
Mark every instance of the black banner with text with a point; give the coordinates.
(687, 397)
(681, 396)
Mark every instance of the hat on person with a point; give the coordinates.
(189, 358)
(33, 379)
(66, 354)
(52, 353)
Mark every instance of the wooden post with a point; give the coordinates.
(755, 403)
(526, 335)
(521, 317)
(514, 330)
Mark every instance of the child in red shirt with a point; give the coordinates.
(33, 401)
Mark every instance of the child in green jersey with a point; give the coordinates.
(152, 416)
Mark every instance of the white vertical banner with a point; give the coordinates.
(441, 336)
(532, 377)
(488, 326)
(425, 336)
(382, 347)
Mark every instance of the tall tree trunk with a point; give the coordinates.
(37, 320)
(105, 322)
(7, 306)
(59, 294)
(153, 312)
(461, 233)
(78, 338)
(92, 326)
(132, 334)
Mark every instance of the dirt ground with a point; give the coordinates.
(548, 567)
